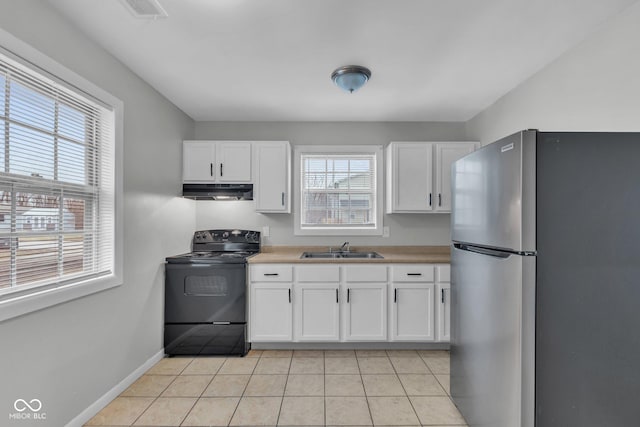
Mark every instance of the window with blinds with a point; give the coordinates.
(56, 183)
(338, 190)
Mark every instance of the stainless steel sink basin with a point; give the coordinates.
(341, 255)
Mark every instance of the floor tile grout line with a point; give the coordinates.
(285, 389)
(405, 390)
(244, 389)
(364, 389)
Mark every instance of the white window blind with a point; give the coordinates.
(338, 190)
(56, 183)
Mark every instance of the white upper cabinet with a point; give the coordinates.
(198, 161)
(272, 176)
(418, 180)
(234, 161)
(446, 154)
(409, 176)
(216, 161)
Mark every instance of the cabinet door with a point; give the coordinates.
(271, 312)
(198, 161)
(413, 316)
(443, 311)
(409, 180)
(272, 177)
(234, 161)
(446, 154)
(366, 312)
(316, 312)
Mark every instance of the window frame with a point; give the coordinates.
(25, 300)
(328, 150)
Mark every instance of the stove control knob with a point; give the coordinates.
(225, 235)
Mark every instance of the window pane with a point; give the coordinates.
(315, 165)
(71, 162)
(74, 212)
(5, 239)
(30, 152)
(72, 254)
(31, 107)
(37, 259)
(5, 212)
(338, 180)
(5, 262)
(71, 123)
(2, 127)
(37, 212)
(3, 81)
(315, 180)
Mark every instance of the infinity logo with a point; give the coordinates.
(21, 405)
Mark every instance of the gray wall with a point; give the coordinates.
(71, 354)
(405, 229)
(592, 87)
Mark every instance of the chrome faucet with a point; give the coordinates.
(344, 248)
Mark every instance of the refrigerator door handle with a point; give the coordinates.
(482, 251)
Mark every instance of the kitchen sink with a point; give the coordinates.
(341, 255)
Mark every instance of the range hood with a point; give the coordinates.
(218, 191)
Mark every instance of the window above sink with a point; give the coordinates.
(339, 190)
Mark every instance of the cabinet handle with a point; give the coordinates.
(337, 301)
(283, 198)
(442, 296)
(439, 199)
(221, 169)
(414, 274)
(429, 199)
(211, 168)
(271, 274)
(395, 295)
(289, 295)
(348, 292)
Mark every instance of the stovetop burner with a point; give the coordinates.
(220, 246)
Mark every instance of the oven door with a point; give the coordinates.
(199, 293)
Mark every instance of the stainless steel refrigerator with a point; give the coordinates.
(545, 281)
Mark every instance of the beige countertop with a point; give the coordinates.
(391, 254)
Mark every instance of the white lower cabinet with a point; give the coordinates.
(366, 312)
(271, 312)
(316, 312)
(331, 303)
(412, 312)
(316, 305)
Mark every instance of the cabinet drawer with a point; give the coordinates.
(318, 273)
(444, 273)
(412, 273)
(366, 273)
(271, 273)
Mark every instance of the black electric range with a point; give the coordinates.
(205, 294)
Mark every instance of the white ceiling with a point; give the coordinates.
(271, 60)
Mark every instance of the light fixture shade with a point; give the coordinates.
(351, 77)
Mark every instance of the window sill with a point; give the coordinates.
(36, 301)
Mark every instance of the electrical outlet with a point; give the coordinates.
(385, 231)
(266, 231)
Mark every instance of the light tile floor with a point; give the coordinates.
(291, 388)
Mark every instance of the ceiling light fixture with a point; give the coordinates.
(350, 78)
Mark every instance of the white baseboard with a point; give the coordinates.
(106, 398)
